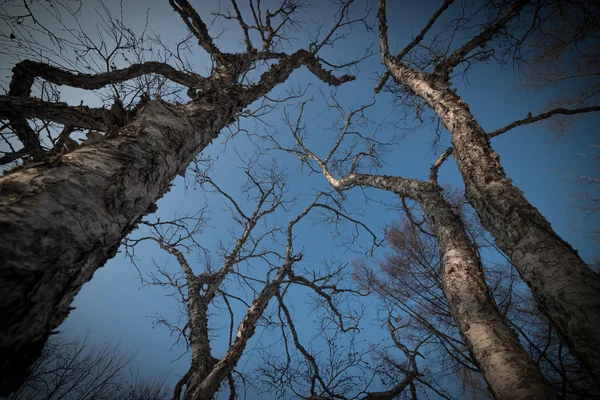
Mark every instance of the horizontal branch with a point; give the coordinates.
(433, 174)
(62, 113)
(25, 72)
(531, 119)
(411, 188)
(10, 157)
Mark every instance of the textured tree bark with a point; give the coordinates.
(62, 219)
(565, 288)
(506, 366)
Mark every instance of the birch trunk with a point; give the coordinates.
(62, 219)
(506, 366)
(564, 287)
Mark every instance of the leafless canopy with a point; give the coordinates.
(123, 66)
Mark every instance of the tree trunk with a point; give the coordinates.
(506, 366)
(565, 288)
(63, 218)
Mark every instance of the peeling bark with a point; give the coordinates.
(506, 366)
(564, 287)
(61, 219)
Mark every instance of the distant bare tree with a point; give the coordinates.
(78, 370)
(262, 244)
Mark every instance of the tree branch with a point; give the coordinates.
(414, 42)
(433, 173)
(279, 73)
(62, 113)
(196, 25)
(25, 72)
(445, 67)
(243, 25)
(531, 119)
(393, 392)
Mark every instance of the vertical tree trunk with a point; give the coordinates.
(63, 218)
(506, 366)
(565, 288)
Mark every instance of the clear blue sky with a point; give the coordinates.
(114, 308)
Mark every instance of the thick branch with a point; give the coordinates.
(246, 330)
(383, 36)
(433, 173)
(25, 72)
(196, 25)
(25, 133)
(404, 187)
(80, 117)
(414, 42)
(243, 25)
(279, 73)
(10, 157)
(531, 119)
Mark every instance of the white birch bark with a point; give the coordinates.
(506, 366)
(565, 288)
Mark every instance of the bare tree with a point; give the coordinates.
(565, 288)
(64, 214)
(562, 52)
(507, 367)
(79, 370)
(262, 244)
(409, 283)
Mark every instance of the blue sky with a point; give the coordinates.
(114, 307)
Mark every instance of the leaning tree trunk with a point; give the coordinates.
(506, 366)
(63, 218)
(564, 287)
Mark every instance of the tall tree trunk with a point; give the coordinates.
(565, 288)
(506, 366)
(61, 219)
